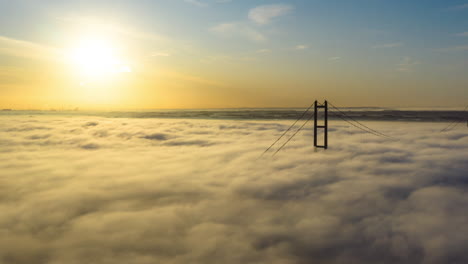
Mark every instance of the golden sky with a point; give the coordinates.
(223, 54)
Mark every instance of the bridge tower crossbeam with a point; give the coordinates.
(317, 107)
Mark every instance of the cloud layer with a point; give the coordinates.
(103, 190)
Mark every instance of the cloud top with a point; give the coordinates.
(81, 189)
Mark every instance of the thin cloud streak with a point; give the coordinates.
(96, 24)
(301, 47)
(26, 49)
(406, 64)
(191, 78)
(196, 3)
(455, 48)
(263, 51)
(459, 7)
(238, 30)
(160, 54)
(263, 15)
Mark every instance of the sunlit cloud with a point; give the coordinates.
(27, 49)
(191, 78)
(263, 51)
(301, 47)
(238, 30)
(104, 26)
(160, 54)
(266, 13)
(144, 190)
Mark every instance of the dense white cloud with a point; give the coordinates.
(119, 190)
(264, 14)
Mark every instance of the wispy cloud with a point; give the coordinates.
(459, 7)
(26, 49)
(192, 78)
(388, 45)
(406, 64)
(266, 13)
(336, 58)
(223, 58)
(100, 26)
(195, 2)
(462, 34)
(238, 29)
(464, 47)
(201, 3)
(160, 54)
(301, 47)
(455, 48)
(264, 51)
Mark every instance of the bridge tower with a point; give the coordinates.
(323, 106)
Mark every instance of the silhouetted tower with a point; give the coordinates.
(324, 126)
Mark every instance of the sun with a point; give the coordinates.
(96, 59)
(98, 70)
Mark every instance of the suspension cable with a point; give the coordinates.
(367, 129)
(297, 131)
(454, 123)
(303, 114)
(354, 125)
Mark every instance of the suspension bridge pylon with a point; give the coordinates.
(318, 106)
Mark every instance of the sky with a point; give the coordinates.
(232, 53)
(87, 189)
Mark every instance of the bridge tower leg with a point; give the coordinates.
(324, 126)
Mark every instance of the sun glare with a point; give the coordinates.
(96, 59)
(97, 66)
